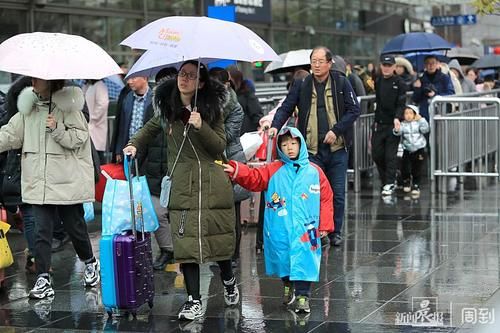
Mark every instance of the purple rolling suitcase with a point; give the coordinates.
(133, 263)
(134, 270)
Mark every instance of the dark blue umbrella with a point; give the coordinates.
(415, 42)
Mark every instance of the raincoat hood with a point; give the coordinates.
(455, 65)
(303, 158)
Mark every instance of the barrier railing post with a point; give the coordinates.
(357, 152)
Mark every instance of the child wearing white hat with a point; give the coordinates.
(412, 129)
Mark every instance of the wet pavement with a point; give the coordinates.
(430, 264)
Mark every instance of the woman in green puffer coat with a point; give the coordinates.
(201, 201)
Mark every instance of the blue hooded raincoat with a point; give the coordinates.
(299, 203)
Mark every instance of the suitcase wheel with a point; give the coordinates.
(150, 303)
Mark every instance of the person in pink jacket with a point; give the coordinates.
(96, 97)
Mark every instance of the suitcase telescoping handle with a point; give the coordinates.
(127, 165)
(269, 148)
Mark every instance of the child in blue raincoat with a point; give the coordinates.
(298, 212)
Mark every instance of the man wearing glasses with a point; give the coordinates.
(431, 83)
(327, 108)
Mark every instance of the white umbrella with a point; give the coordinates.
(55, 56)
(289, 60)
(183, 38)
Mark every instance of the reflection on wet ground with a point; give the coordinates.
(430, 264)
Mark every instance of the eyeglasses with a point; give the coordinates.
(190, 76)
(318, 62)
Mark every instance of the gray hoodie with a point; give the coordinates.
(467, 85)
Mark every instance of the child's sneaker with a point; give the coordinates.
(91, 275)
(415, 190)
(231, 292)
(191, 309)
(42, 288)
(388, 189)
(288, 292)
(302, 304)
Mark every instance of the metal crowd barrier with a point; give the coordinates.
(361, 146)
(463, 140)
(269, 94)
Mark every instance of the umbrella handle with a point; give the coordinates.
(47, 129)
(197, 84)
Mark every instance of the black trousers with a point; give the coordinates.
(413, 165)
(74, 224)
(259, 242)
(237, 210)
(384, 152)
(191, 273)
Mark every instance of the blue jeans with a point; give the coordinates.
(334, 165)
(29, 227)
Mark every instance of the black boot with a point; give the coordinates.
(165, 257)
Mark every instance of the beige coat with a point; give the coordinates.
(56, 167)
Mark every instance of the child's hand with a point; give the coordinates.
(228, 168)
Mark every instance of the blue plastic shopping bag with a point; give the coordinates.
(116, 215)
(88, 208)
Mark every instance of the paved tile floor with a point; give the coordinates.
(400, 257)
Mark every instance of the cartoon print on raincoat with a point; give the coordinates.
(292, 246)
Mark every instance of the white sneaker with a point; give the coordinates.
(91, 276)
(388, 189)
(42, 288)
(190, 310)
(231, 292)
(406, 189)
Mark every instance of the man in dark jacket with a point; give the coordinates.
(327, 108)
(433, 82)
(131, 114)
(390, 94)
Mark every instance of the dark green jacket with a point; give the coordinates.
(201, 201)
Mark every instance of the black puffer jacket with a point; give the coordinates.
(233, 117)
(11, 168)
(153, 161)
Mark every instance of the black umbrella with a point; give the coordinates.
(464, 56)
(487, 61)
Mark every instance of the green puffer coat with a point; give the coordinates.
(201, 206)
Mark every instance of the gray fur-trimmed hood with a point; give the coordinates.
(68, 99)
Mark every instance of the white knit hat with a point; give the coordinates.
(413, 107)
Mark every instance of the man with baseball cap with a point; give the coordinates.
(390, 93)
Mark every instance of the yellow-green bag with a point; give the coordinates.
(6, 258)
